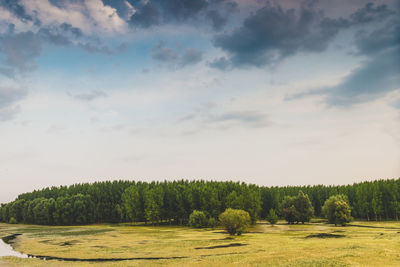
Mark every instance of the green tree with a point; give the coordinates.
(304, 208)
(337, 210)
(297, 208)
(198, 219)
(235, 221)
(272, 217)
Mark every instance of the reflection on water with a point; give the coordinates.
(7, 250)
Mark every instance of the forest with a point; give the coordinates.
(173, 201)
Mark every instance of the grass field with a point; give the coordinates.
(378, 244)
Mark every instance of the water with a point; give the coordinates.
(7, 250)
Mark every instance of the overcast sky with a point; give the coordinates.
(266, 92)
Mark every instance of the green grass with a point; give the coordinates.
(279, 245)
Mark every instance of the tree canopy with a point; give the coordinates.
(174, 201)
(235, 221)
(337, 210)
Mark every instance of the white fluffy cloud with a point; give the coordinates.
(91, 17)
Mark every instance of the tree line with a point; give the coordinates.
(173, 201)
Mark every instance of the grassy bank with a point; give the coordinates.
(264, 245)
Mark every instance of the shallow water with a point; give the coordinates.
(7, 250)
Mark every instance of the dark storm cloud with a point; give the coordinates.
(378, 74)
(9, 97)
(370, 13)
(156, 12)
(217, 21)
(149, 15)
(273, 33)
(375, 78)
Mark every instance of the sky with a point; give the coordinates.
(267, 92)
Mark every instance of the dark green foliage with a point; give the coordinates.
(297, 208)
(272, 217)
(173, 202)
(212, 222)
(198, 219)
(13, 220)
(235, 221)
(337, 210)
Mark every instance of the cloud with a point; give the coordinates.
(208, 116)
(246, 118)
(91, 16)
(163, 53)
(217, 21)
(221, 63)
(378, 74)
(273, 33)
(8, 72)
(172, 57)
(90, 96)
(9, 97)
(375, 78)
(369, 13)
(149, 15)
(155, 12)
(89, 47)
(21, 50)
(190, 57)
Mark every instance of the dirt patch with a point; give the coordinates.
(223, 246)
(68, 243)
(324, 235)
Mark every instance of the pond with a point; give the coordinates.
(7, 250)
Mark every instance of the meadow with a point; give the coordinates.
(311, 244)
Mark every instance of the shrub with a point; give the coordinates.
(272, 217)
(13, 220)
(235, 221)
(337, 210)
(198, 219)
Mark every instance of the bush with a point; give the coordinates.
(198, 219)
(235, 221)
(13, 220)
(337, 210)
(272, 217)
